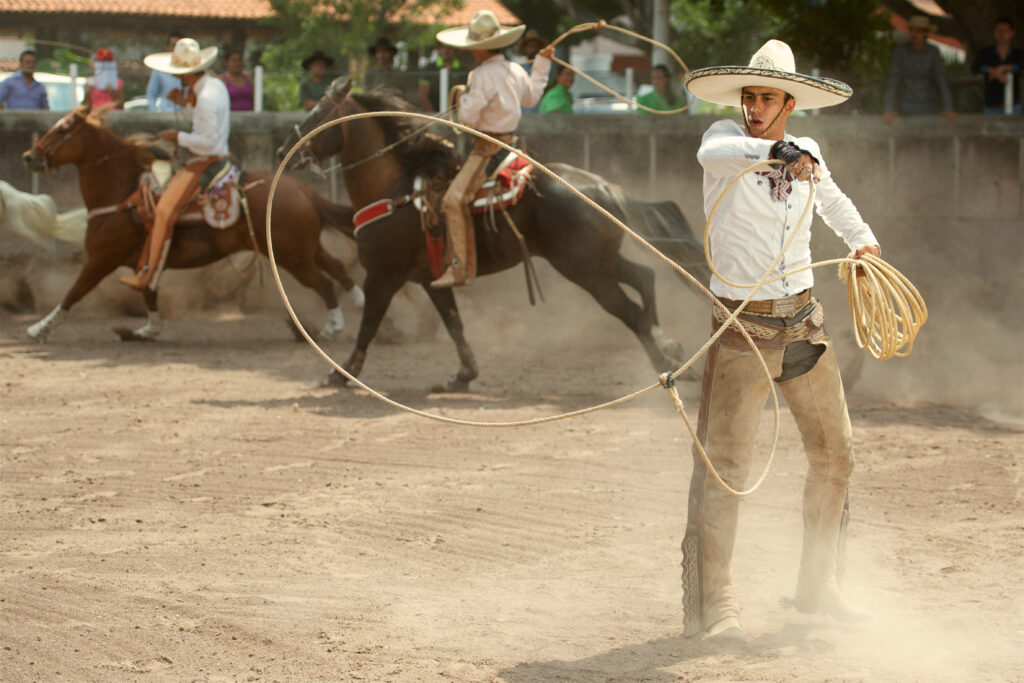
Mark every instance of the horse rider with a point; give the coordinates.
(496, 90)
(209, 106)
(753, 222)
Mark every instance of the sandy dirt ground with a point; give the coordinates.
(200, 509)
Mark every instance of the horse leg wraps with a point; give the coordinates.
(733, 395)
(818, 405)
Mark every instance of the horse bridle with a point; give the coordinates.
(306, 154)
(63, 136)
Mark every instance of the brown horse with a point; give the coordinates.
(108, 172)
(381, 157)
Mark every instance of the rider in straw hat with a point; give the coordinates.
(208, 142)
(754, 220)
(496, 90)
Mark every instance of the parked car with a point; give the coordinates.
(58, 89)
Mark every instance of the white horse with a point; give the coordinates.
(35, 217)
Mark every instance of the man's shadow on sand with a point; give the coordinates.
(650, 661)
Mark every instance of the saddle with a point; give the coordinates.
(505, 184)
(217, 204)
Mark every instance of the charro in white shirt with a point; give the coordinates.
(211, 119)
(750, 228)
(498, 89)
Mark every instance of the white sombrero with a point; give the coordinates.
(483, 33)
(187, 58)
(772, 66)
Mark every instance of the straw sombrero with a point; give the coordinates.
(483, 33)
(186, 58)
(772, 66)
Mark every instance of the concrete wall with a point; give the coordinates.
(945, 200)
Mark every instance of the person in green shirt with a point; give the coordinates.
(314, 85)
(557, 98)
(663, 97)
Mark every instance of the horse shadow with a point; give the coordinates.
(655, 659)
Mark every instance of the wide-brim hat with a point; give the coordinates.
(531, 36)
(921, 21)
(186, 58)
(382, 43)
(317, 54)
(772, 66)
(483, 33)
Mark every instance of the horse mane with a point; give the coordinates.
(427, 153)
(139, 143)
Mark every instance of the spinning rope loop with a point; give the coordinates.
(602, 24)
(887, 310)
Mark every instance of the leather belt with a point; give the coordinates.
(785, 307)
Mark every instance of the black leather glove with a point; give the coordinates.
(787, 152)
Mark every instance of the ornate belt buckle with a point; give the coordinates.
(784, 308)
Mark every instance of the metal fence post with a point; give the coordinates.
(442, 104)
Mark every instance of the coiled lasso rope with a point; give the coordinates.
(872, 317)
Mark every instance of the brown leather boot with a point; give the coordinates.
(455, 274)
(135, 281)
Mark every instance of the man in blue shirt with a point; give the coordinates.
(160, 84)
(21, 90)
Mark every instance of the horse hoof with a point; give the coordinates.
(454, 385)
(337, 380)
(127, 335)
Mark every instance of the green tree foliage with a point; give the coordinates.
(838, 36)
(342, 29)
(713, 32)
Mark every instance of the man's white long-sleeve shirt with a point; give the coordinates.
(211, 119)
(497, 91)
(750, 229)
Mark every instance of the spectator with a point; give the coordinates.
(557, 98)
(160, 84)
(21, 90)
(238, 83)
(382, 73)
(313, 87)
(104, 87)
(430, 84)
(917, 77)
(663, 97)
(528, 46)
(998, 63)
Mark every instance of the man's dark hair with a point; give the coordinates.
(175, 34)
(1003, 20)
(29, 51)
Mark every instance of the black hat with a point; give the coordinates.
(317, 54)
(384, 43)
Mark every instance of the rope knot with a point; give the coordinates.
(667, 380)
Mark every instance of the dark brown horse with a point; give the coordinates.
(108, 172)
(581, 244)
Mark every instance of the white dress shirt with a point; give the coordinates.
(211, 119)
(496, 91)
(750, 229)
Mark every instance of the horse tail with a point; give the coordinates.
(337, 216)
(664, 225)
